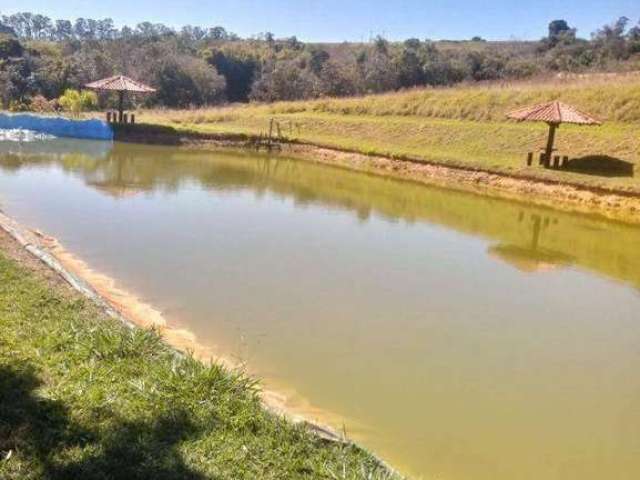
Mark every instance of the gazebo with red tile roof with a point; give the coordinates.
(120, 84)
(554, 114)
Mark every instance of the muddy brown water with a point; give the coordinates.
(460, 337)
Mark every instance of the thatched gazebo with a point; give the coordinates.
(122, 85)
(554, 114)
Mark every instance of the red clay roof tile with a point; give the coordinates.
(120, 83)
(553, 112)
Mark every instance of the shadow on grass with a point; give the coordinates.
(601, 165)
(40, 432)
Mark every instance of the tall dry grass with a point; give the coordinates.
(609, 97)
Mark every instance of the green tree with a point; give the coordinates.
(10, 47)
(283, 80)
(633, 38)
(485, 65)
(410, 64)
(218, 33)
(318, 57)
(239, 70)
(183, 81)
(610, 41)
(557, 28)
(559, 33)
(379, 72)
(6, 29)
(338, 79)
(440, 69)
(63, 30)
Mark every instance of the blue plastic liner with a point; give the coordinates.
(57, 126)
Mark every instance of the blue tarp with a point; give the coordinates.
(57, 126)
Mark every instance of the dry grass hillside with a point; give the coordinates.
(462, 126)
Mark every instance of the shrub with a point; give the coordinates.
(76, 102)
(40, 104)
(18, 106)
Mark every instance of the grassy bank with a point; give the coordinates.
(462, 126)
(82, 396)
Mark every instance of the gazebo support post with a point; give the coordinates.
(120, 106)
(550, 141)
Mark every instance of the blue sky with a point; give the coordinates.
(337, 20)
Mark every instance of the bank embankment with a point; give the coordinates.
(85, 393)
(617, 199)
(463, 128)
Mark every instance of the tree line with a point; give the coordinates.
(33, 26)
(41, 58)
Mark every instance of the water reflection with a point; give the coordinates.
(532, 257)
(378, 300)
(42, 145)
(530, 239)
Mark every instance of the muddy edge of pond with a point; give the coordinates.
(45, 256)
(621, 205)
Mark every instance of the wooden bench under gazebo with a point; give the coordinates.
(122, 85)
(554, 114)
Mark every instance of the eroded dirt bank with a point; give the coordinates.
(568, 197)
(619, 205)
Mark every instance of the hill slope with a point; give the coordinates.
(462, 126)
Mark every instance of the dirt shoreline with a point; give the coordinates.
(48, 259)
(621, 205)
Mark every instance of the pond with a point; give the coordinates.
(458, 336)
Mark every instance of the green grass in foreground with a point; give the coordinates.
(82, 396)
(460, 126)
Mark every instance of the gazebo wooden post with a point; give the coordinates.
(120, 106)
(550, 141)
